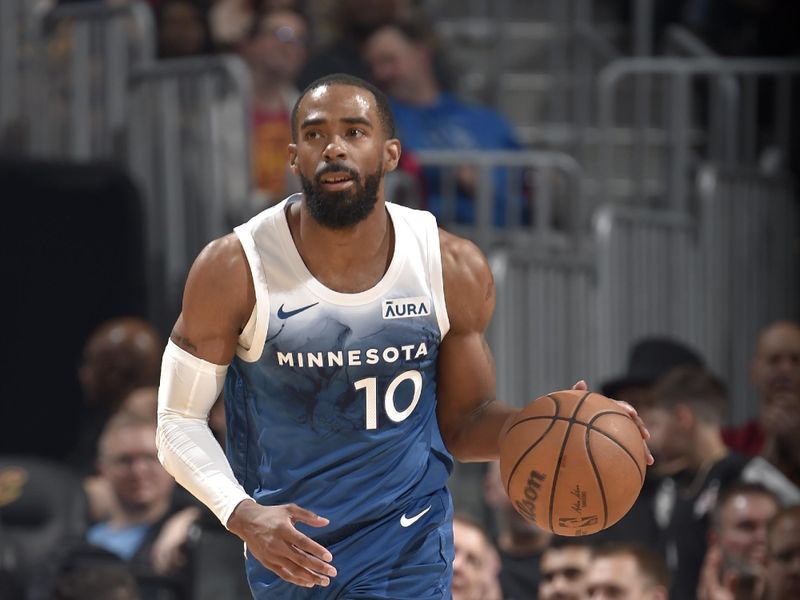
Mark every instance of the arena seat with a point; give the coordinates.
(42, 507)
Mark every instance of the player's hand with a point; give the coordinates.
(272, 538)
(581, 385)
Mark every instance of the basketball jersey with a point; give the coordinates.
(331, 399)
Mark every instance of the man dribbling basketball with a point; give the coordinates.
(349, 335)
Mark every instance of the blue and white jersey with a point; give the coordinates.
(331, 399)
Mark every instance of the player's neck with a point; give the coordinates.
(347, 260)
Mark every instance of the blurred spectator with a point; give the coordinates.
(275, 51)
(563, 570)
(183, 28)
(737, 552)
(120, 355)
(775, 373)
(684, 423)
(783, 562)
(354, 21)
(401, 58)
(649, 359)
(475, 564)
(519, 542)
(627, 572)
(143, 514)
(90, 573)
(142, 402)
(232, 21)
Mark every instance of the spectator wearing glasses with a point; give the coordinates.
(143, 493)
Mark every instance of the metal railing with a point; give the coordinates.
(749, 234)
(536, 193)
(731, 127)
(648, 278)
(189, 149)
(543, 335)
(87, 54)
(19, 65)
(540, 73)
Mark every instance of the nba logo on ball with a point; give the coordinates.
(573, 462)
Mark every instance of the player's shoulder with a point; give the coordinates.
(222, 255)
(461, 258)
(468, 281)
(220, 280)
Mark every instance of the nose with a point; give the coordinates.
(334, 150)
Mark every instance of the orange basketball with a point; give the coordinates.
(573, 462)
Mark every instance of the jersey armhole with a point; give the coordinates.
(251, 340)
(437, 279)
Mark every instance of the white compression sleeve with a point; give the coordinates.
(186, 447)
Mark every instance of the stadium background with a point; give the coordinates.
(659, 167)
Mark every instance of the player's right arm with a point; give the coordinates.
(218, 299)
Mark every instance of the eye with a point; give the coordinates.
(312, 134)
(355, 132)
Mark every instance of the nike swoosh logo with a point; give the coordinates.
(408, 521)
(282, 314)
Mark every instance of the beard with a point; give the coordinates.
(340, 210)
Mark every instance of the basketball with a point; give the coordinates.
(573, 462)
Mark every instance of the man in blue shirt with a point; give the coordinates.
(402, 61)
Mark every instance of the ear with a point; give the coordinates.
(391, 154)
(293, 159)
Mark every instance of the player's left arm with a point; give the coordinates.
(471, 418)
(469, 414)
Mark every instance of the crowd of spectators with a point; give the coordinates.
(718, 516)
(713, 522)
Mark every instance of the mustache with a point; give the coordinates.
(335, 168)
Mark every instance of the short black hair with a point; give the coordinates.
(381, 101)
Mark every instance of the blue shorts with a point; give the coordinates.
(407, 555)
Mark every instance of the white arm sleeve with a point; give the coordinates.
(186, 447)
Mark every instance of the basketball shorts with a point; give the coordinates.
(407, 555)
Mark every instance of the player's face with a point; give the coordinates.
(743, 527)
(470, 562)
(129, 461)
(563, 573)
(341, 154)
(783, 570)
(616, 578)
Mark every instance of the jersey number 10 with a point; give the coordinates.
(370, 384)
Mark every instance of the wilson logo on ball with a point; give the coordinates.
(527, 506)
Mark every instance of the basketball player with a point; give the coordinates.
(349, 336)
